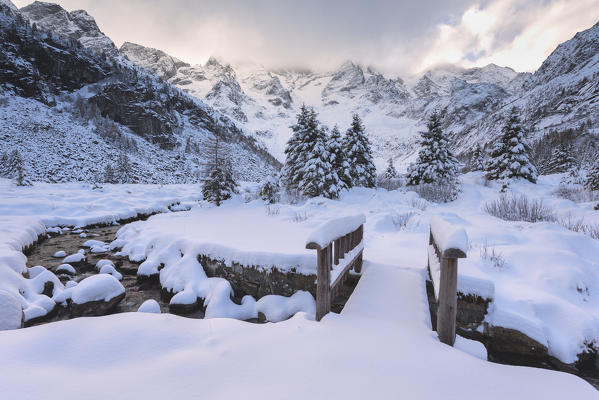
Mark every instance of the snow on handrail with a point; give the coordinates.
(333, 230)
(451, 240)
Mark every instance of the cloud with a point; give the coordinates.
(399, 37)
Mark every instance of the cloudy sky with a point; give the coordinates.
(401, 37)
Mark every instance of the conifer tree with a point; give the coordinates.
(337, 157)
(360, 169)
(219, 184)
(21, 178)
(4, 164)
(390, 172)
(295, 153)
(269, 190)
(561, 160)
(109, 176)
(477, 162)
(592, 181)
(510, 157)
(318, 176)
(435, 163)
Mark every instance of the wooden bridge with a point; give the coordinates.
(339, 245)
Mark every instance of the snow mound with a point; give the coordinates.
(75, 258)
(149, 306)
(279, 308)
(11, 313)
(67, 268)
(335, 228)
(60, 254)
(97, 287)
(448, 235)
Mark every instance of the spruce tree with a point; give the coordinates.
(561, 160)
(269, 190)
(220, 184)
(390, 172)
(304, 130)
(4, 164)
(109, 176)
(510, 157)
(477, 162)
(435, 163)
(21, 178)
(337, 157)
(592, 181)
(14, 163)
(318, 176)
(360, 169)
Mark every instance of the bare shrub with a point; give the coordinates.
(418, 203)
(437, 192)
(273, 210)
(496, 258)
(520, 208)
(400, 221)
(578, 225)
(4, 101)
(576, 193)
(300, 217)
(390, 184)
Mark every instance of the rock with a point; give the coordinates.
(96, 295)
(60, 254)
(11, 312)
(95, 308)
(66, 269)
(510, 344)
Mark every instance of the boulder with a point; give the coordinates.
(96, 295)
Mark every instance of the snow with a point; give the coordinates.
(447, 234)
(334, 229)
(60, 254)
(75, 258)
(11, 314)
(546, 287)
(149, 306)
(97, 287)
(68, 268)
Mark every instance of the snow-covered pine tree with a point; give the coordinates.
(269, 190)
(477, 161)
(435, 163)
(219, 184)
(510, 157)
(295, 157)
(318, 175)
(390, 172)
(20, 173)
(592, 181)
(561, 160)
(360, 169)
(337, 158)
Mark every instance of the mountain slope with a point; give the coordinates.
(88, 98)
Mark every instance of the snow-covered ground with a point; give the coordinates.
(382, 343)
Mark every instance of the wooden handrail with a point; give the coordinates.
(446, 251)
(336, 256)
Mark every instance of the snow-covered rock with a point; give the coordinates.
(149, 306)
(60, 254)
(75, 258)
(66, 269)
(96, 295)
(11, 313)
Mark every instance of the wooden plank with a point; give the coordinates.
(330, 255)
(448, 299)
(345, 270)
(336, 251)
(323, 290)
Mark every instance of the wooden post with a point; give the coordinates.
(358, 264)
(330, 255)
(323, 283)
(448, 300)
(336, 254)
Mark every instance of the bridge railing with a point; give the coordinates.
(447, 243)
(339, 245)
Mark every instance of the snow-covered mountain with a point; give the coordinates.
(71, 110)
(263, 103)
(76, 25)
